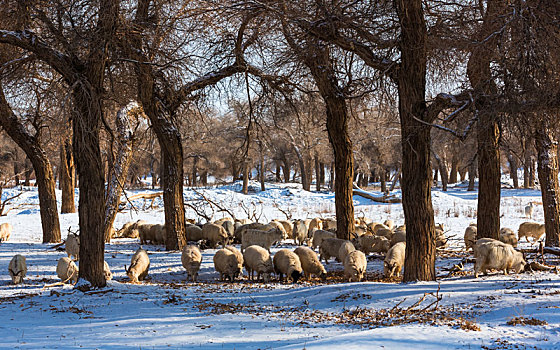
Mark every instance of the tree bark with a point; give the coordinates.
(480, 77)
(454, 169)
(277, 173)
(246, 169)
(317, 173)
(548, 177)
(43, 169)
(383, 180)
(513, 169)
(473, 167)
(194, 171)
(67, 173)
(416, 140)
(119, 170)
(262, 170)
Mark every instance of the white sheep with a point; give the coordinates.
(229, 226)
(287, 263)
(191, 258)
(107, 271)
(345, 249)
(278, 225)
(508, 236)
(139, 266)
(330, 247)
(329, 224)
(67, 270)
(394, 260)
(215, 234)
(389, 223)
(128, 230)
(398, 236)
(470, 236)
(355, 265)
(5, 231)
(257, 259)
(310, 263)
(238, 256)
(17, 268)
(531, 229)
(264, 239)
(529, 210)
(288, 227)
(373, 244)
(72, 246)
(240, 231)
(493, 254)
(193, 233)
(158, 233)
(299, 233)
(145, 232)
(315, 223)
(226, 263)
(319, 236)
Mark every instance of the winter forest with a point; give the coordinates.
(280, 174)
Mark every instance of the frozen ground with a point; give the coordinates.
(456, 312)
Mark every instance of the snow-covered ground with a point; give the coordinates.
(456, 312)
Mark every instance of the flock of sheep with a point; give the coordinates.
(255, 240)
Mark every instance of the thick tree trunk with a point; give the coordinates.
(462, 174)
(286, 171)
(67, 173)
(548, 177)
(436, 175)
(321, 174)
(416, 140)
(87, 154)
(43, 170)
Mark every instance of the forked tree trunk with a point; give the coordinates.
(67, 173)
(416, 140)
(43, 170)
(548, 177)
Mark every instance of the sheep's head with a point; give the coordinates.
(266, 276)
(295, 275)
(388, 270)
(17, 277)
(519, 262)
(323, 276)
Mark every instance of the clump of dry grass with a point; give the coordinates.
(523, 321)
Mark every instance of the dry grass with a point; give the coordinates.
(523, 321)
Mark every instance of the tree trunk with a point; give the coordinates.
(119, 170)
(436, 177)
(304, 172)
(246, 169)
(261, 173)
(331, 178)
(513, 169)
(43, 170)
(286, 171)
(548, 177)
(480, 77)
(416, 169)
(322, 174)
(204, 178)
(317, 173)
(87, 154)
(67, 173)
(278, 178)
(28, 172)
(473, 166)
(194, 171)
(531, 172)
(454, 169)
(463, 174)
(383, 181)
